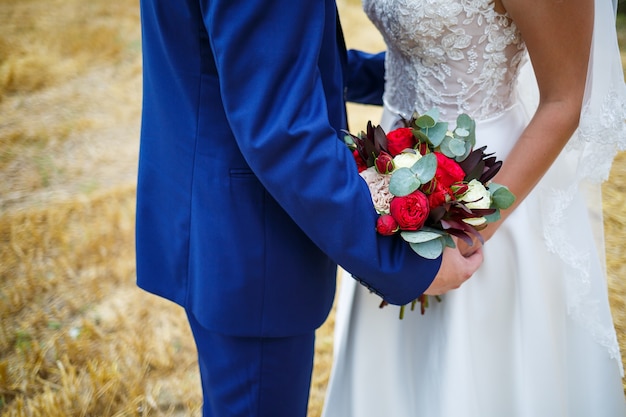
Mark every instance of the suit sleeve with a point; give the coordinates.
(267, 55)
(364, 78)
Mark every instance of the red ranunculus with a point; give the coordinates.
(410, 211)
(360, 163)
(399, 140)
(386, 225)
(448, 171)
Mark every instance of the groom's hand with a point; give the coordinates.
(455, 270)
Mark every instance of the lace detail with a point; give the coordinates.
(454, 55)
(587, 161)
(601, 134)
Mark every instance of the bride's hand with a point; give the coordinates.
(455, 270)
(467, 249)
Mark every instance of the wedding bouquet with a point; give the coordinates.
(428, 183)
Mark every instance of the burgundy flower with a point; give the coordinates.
(384, 163)
(422, 148)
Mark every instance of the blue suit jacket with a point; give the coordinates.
(247, 198)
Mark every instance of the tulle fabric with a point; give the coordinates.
(580, 169)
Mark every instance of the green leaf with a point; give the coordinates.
(457, 147)
(463, 121)
(425, 121)
(403, 182)
(494, 217)
(434, 113)
(501, 197)
(466, 129)
(428, 119)
(445, 147)
(453, 147)
(421, 136)
(448, 241)
(429, 250)
(425, 168)
(437, 133)
(419, 236)
(461, 132)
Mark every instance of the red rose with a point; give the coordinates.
(410, 211)
(360, 163)
(437, 195)
(399, 140)
(386, 225)
(448, 171)
(384, 163)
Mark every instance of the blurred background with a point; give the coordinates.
(77, 338)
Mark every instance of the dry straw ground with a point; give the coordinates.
(77, 338)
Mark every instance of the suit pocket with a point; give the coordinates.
(242, 173)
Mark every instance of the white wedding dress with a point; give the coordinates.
(530, 334)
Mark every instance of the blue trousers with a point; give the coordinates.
(253, 376)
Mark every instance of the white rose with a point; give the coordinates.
(406, 159)
(476, 197)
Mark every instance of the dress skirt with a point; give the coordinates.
(504, 344)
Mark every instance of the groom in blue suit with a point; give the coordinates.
(247, 198)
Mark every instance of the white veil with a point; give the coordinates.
(578, 173)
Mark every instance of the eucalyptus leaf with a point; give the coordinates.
(437, 133)
(468, 150)
(421, 136)
(494, 217)
(457, 147)
(464, 124)
(501, 197)
(419, 236)
(444, 147)
(434, 113)
(461, 132)
(425, 121)
(429, 250)
(425, 168)
(463, 121)
(403, 182)
(448, 241)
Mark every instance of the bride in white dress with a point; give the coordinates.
(530, 334)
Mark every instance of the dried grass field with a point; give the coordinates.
(77, 338)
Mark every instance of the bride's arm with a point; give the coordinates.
(558, 35)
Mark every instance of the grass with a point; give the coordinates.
(77, 338)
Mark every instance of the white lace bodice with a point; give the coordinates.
(458, 55)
